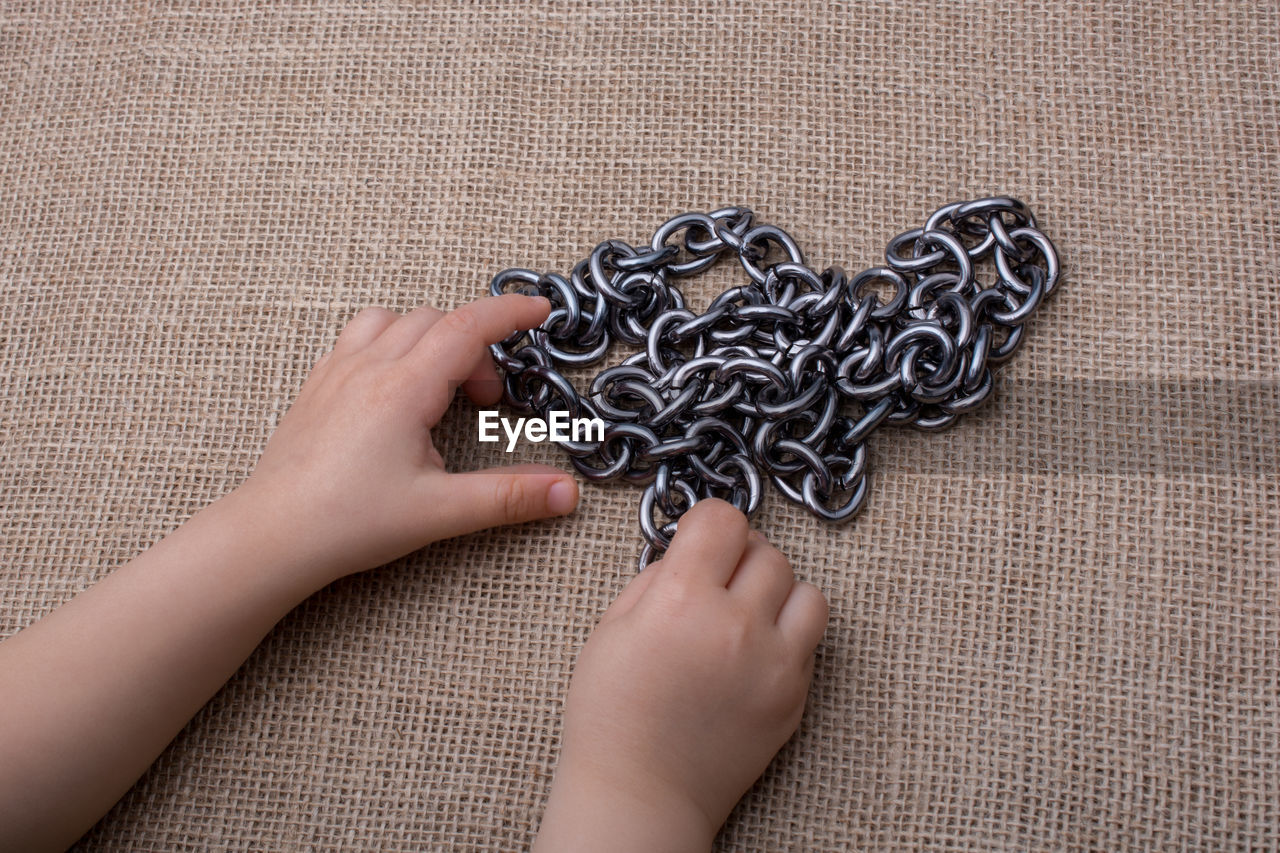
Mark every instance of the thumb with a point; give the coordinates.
(475, 500)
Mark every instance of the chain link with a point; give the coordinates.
(785, 376)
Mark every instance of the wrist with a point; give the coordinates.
(593, 810)
(279, 543)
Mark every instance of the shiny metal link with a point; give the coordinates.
(786, 376)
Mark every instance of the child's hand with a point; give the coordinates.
(351, 476)
(695, 677)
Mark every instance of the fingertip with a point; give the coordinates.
(722, 516)
(521, 311)
(533, 309)
(562, 496)
(715, 507)
(710, 537)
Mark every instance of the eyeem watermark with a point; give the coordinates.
(560, 427)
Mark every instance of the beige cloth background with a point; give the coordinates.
(1056, 626)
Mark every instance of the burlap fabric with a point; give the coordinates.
(1056, 626)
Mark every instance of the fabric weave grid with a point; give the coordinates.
(1053, 627)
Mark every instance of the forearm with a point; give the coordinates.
(94, 691)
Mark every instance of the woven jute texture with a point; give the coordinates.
(1055, 626)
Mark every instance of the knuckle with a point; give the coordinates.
(783, 689)
(463, 323)
(818, 608)
(794, 682)
(683, 598)
(672, 582)
(512, 498)
(378, 391)
(372, 316)
(779, 563)
(364, 327)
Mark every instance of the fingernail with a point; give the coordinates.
(561, 497)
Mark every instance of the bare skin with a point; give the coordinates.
(694, 678)
(350, 480)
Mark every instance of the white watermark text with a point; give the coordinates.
(558, 427)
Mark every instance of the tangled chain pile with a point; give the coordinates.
(786, 375)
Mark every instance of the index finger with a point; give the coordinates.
(458, 342)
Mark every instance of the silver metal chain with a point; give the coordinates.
(784, 376)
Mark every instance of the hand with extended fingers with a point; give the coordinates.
(351, 469)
